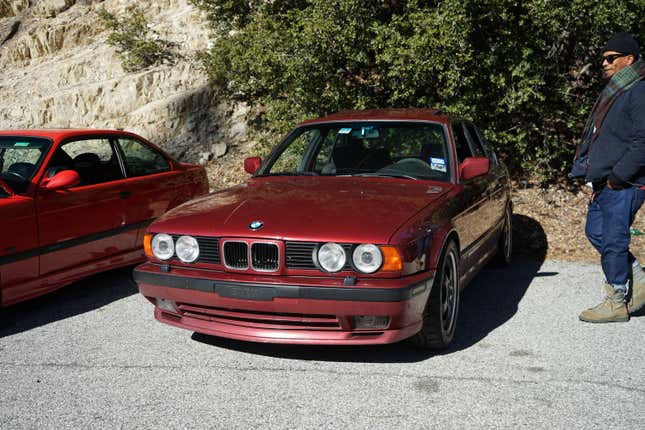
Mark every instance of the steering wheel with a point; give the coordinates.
(16, 174)
(415, 165)
(413, 162)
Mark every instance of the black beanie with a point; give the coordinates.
(623, 43)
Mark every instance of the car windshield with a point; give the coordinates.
(19, 158)
(385, 149)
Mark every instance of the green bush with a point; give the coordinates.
(138, 45)
(527, 72)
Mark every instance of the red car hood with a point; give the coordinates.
(342, 209)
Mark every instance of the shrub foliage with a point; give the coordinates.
(136, 42)
(527, 72)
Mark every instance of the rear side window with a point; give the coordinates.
(478, 148)
(140, 159)
(461, 142)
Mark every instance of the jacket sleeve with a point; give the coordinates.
(633, 160)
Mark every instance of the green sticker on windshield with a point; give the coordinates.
(21, 144)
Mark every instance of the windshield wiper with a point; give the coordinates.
(386, 175)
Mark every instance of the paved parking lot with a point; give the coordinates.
(92, 356)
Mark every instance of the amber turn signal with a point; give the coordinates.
(147, 245)
(391, 259)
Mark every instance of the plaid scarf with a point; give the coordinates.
(621, 81)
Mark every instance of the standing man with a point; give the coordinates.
(615, 142)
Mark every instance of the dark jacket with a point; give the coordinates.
(618, 154)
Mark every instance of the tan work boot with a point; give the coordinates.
(637, 301)
(612, 309)
(607, 289)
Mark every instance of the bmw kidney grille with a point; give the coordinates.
(264, 257)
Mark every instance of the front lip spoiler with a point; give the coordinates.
(265, 292)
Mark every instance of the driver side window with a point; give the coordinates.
(93, 159)
(289, 161)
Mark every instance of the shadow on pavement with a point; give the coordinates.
(490, 300)
(77, 298)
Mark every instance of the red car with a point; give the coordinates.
(77, 202)
(359, 228)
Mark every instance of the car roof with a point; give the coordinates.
(394, 114)
(58, 134)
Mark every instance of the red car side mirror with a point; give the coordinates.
(62, 180)
(252, 164)
(472, 167)
(5, 188)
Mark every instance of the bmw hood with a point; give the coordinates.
(339, 209)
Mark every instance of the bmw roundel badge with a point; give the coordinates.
(256, 225)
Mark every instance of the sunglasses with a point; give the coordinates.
(611, 58)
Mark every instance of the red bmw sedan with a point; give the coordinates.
(359, 228)
(77, 202)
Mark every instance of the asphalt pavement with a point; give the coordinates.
(91, 356)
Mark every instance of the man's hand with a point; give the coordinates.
(615, 183)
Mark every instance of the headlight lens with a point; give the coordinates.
(331, 257)
(187, 249)
(367, 258)
(162, 246)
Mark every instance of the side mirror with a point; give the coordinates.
(472, 167)
(62, 180)
(252, 164)
(4, 188)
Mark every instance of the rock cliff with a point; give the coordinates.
(57, 70)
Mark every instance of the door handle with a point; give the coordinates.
(125, 194)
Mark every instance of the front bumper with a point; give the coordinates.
(307, 310)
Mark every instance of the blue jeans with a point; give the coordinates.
(609, 217)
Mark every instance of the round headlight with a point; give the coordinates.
(367, 258)
(162, 246)
(331, 257)
(187, 249)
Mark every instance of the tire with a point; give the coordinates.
(504, 254)
(442, 309)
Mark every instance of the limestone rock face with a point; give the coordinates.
(57, 70)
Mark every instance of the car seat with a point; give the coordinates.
(87, 166)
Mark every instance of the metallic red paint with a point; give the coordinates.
(346, 209)
(252, 164)
(267, 323)
(306, 305)
(473, 167)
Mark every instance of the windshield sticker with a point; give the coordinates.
(345, 130)
(438, 164)
(21, 144)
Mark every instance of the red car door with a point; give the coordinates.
(154, 183)
(473, 223)
(83, 226)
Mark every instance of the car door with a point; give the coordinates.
(474, 221)
(152, 185)
(499, 192)
(85, 225)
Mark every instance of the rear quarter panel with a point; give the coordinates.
(154, 195)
